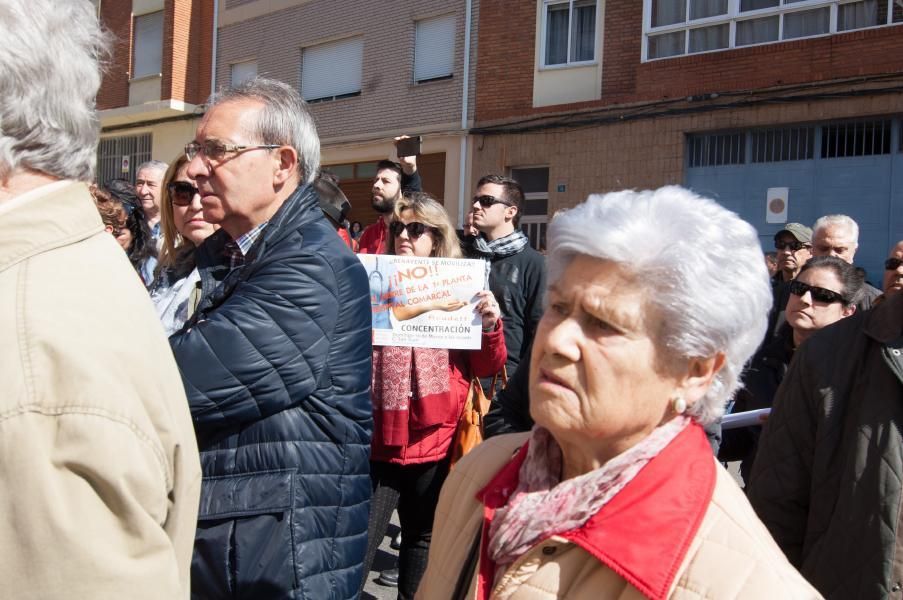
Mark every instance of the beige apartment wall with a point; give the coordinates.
(641, 154)
(389, 101)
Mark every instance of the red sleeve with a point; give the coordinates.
(369, 242)
(491, 356)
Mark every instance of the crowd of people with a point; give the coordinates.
(195, 407)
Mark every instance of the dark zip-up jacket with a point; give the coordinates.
(276, 367)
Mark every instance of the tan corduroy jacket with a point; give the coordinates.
(99, 469)
(680, 530)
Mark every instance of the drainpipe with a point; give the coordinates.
(463, 184)
(213, 50)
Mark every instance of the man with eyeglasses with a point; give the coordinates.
(793, 246)
(275, 361)
(517, 272)
(838, 235)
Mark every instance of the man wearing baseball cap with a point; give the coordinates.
(794, 247)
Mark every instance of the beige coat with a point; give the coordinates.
(730, 556)
(99, 470)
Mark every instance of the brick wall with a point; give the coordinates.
(117, 19)
(187, 48)
(507, 60)
(389, 100)
(641, 154)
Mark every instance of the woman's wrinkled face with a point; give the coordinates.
(189, 219)
(806, 314)
(594, 377)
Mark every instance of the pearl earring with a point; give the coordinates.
(679, 404)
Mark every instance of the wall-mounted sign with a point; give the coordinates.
(776, 202)
(125, 165)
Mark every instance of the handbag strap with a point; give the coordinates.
(469, 567)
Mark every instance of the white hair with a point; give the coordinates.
(702, 267)
(838, 220)
(284, 119)
(152, 165)
(50, 70)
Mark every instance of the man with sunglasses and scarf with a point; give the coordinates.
(517, 272)
(793, 246)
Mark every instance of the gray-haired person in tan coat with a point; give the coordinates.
(99, 470)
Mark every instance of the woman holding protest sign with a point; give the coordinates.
(418, 395)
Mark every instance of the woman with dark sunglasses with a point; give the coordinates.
(175, 291)
(418, 395)
(824, 291)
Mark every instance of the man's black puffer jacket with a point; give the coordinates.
(276, 366)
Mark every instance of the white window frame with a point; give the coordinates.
(144, 42)
(734, 16)
(241, 64)
(544, 37)
(357, 41)
(453, 20)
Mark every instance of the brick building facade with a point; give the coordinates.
(360, 64)
(728, 122)
(159, 77)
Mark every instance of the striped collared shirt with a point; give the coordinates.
(238, 248)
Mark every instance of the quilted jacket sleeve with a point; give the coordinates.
(781, 479)
(264, 348)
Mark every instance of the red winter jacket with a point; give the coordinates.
(431, 444)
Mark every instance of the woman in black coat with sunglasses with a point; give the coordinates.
(175, 290)
(824, 291)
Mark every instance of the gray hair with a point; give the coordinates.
(284, 119)
(152, 165)
(835, 220)
(50, 71)
(701, 264)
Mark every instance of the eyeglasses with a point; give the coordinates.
(892, 264)
(487, 201)
(181, 192)
(798, 288)
(794, 246)
(415, 229)
(215, 150)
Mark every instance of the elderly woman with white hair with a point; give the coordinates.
(656, 301)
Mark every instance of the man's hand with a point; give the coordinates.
(408, 163)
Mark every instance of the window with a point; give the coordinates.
(434, 48)
(148, 47)
(866, 138)
(569, 32)
(716, 149)
(789, 143)
(678, 27)
(111, 152)
(333, 70)
(243, 71)
(535, 216)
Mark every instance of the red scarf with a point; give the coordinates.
(410, 389)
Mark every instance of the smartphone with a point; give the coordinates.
(408, 146)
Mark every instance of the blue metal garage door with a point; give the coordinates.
(851, 168)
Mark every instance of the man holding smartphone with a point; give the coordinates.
(391, 181)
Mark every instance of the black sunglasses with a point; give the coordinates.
(892, 264)
(182, 192)
(415, 229)
(487, 201)
(794, 246)
(819, 294)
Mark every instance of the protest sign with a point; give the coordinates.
(424, 302)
